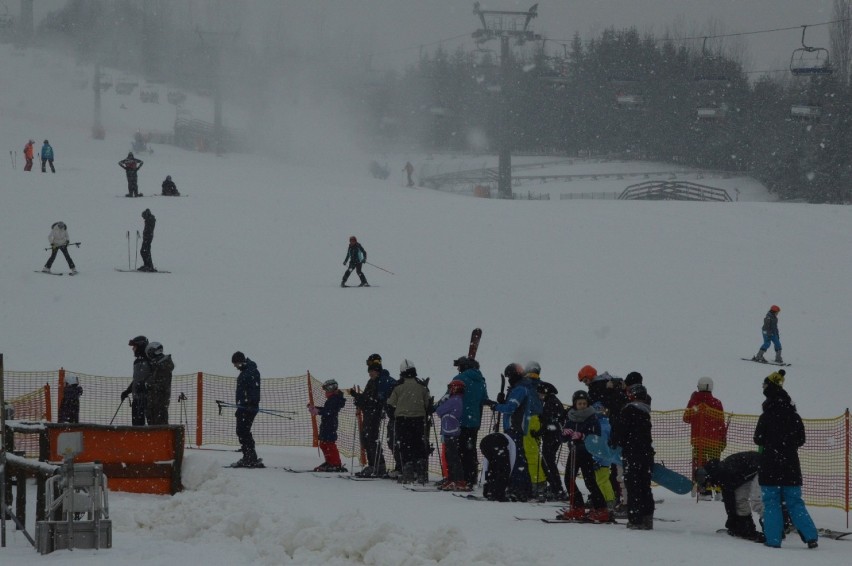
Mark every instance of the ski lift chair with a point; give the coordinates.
(805, 112)
(712, 112)
(810, 61)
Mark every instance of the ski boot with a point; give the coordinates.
(758, 357)
(778, 359)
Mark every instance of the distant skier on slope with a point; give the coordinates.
(131, 167)
(169, 188)
(356, 256)
(58, 239)
(147, 238)
(770, 334)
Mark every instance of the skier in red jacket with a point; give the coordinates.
(706, 416)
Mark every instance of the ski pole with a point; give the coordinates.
(438, 447)
(11, 159)
(116, 412)
(68, 244)
(379, 451)
(382, 268)
(128, 249)
(281, 414)
(136, 261)
(354, 448)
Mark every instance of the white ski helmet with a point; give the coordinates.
(407, 369)
(705, 384)
(329, 385)
(71, 379)
(154, 350)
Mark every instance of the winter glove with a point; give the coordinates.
(501, 398)
(489, 403)
(125, 395)
(577, 435)
(313, 410)
(567, 432)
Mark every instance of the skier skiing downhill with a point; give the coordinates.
(770, 334)
(356, 256)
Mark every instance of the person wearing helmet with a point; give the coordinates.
(633, 435)
(69, 403)
(147, 238)
(552, 416)
(770, 335)
(334, 402)
(47, 157)
(779, 434)
(532, 440)
(58, 239)
(411, 403)
(356, 256)
(28, 155)
(582, 420)
(248, 403)
(141, 374)
(169, 188)
(159, 385)
(372, 404)
(451, 411)
(708, 431)
(475, 395)
(131, 167)
(514, 405)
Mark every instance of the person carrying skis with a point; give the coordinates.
(779, 434)
(515, 408)
(736, 475)
(356, 256)
(28, 155)
(552, 415)
(131, 167)
(475, 395)
(708, 431)
(147, 238)
(450, 409)
(158, 385)
(58, 239)
(169, 188)
(581, 420)
(47, 157)
(69, 407)
(141, 374)
(411, 403)
(372, 402)
(770, 334)
(248, 402)
(334, 402)
(633, 435)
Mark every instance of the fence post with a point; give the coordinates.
(60, 393)
(313, 418)
(2, 457)
(199, 409)
(848, 442)
(48, 412)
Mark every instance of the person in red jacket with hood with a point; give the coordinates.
(28, 155)
(706, 417)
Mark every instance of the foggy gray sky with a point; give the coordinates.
(392, 30)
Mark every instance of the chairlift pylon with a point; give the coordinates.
(807, 60)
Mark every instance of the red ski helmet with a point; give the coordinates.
(587, 373)
(456, 386)
(775, 308)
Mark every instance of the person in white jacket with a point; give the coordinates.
(58, 239)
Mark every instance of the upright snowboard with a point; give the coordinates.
(602, 452)
(670, 479)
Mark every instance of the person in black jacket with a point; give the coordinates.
(637, 452)
(69, 407)
(372, 403)
(248, 403)
(169, 187)
(770, 334)
(141, 374)
(131, 167)
(356, 256)
(159, 385)
(147, 238)
(779, 434)
(334, 402)
(736, 475)
(551, 438)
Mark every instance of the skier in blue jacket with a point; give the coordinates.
(475, 396)
(47, 157)
(356, 256)
(248, 403)
(515, 408)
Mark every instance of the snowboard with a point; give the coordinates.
(670, 479)
(766, 363)
(137, 271)
(601, 451)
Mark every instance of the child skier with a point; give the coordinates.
(450, 411)
(69, 407)
(334, 402)
(770, 334)
(356, 256)
(58, 239)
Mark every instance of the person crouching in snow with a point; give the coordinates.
(450, 411)
(334, 402)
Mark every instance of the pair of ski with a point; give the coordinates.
(58, 273)
(766, 362)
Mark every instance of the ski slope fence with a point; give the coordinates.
(35, 396)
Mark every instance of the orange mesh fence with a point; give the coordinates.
(825, 458)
